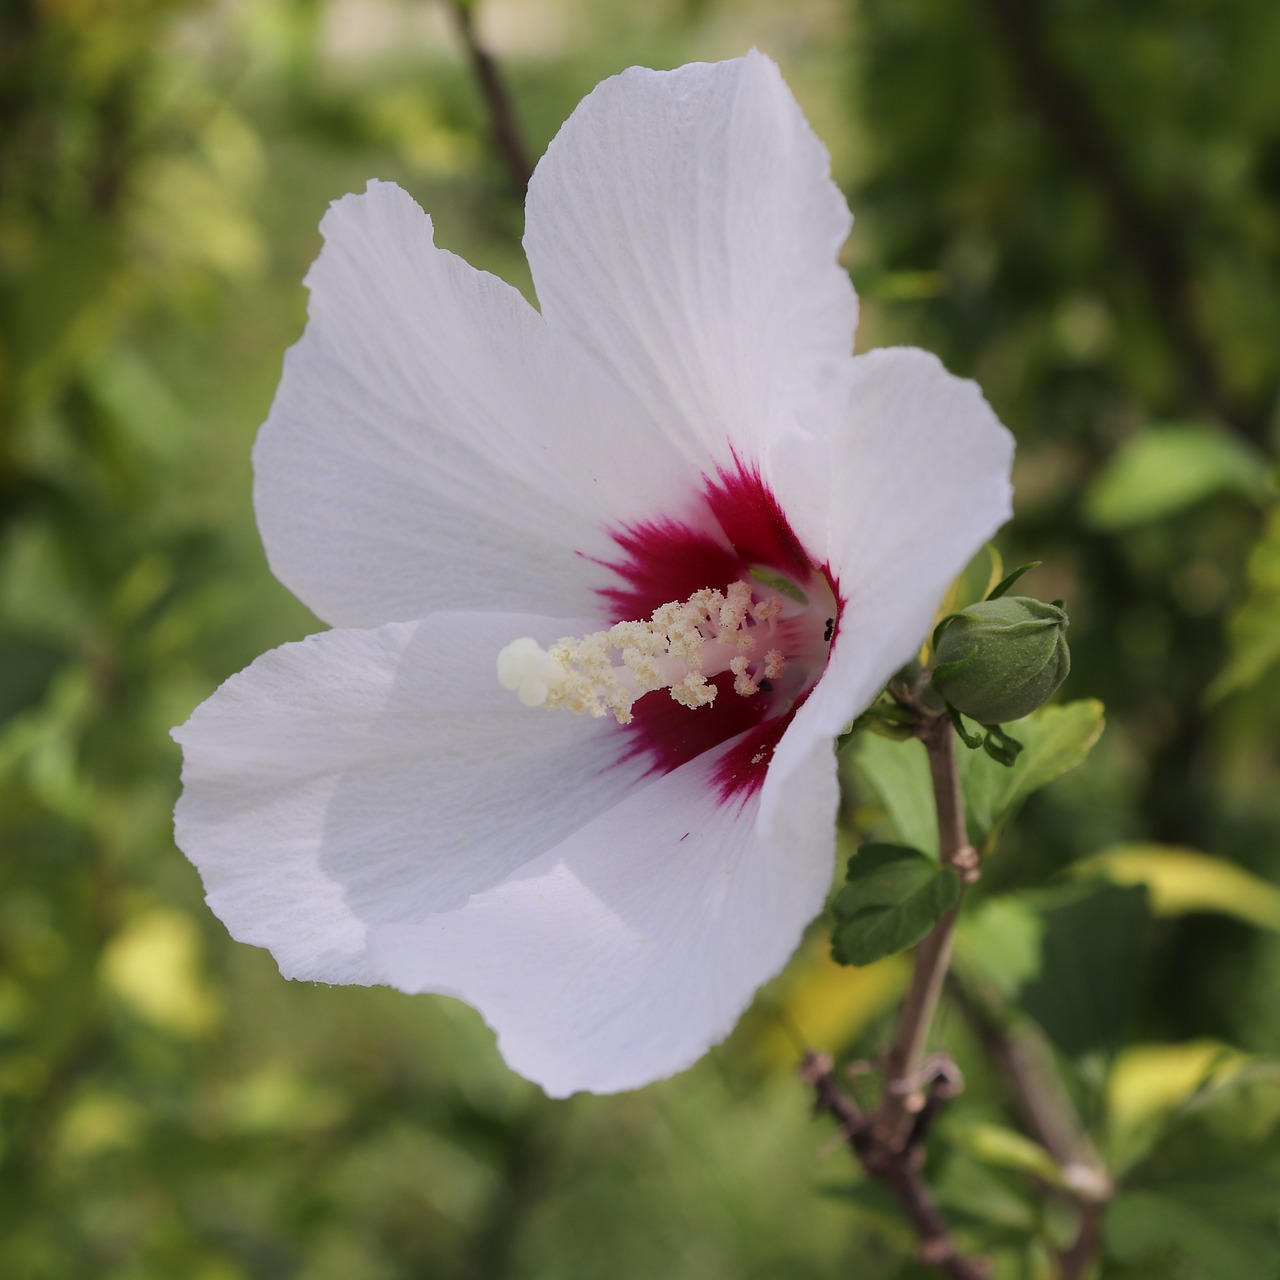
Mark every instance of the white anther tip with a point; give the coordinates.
(518, 661)
(533, 692)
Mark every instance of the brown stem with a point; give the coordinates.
(1084, 1248)
(898, 1170)
(1018, 1065)
(902, 1098)
(1049, 1115)
(1076, 1260)
(890, 1142)
(502, 119)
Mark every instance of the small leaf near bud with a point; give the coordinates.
(999, 660)
(892, 897)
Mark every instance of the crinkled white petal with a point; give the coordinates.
(623, 954)
(432, 446)
(921, 469)
(361, 778)
(683, 229)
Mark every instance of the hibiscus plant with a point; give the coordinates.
(621, 588)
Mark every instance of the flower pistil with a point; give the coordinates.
(682, 647)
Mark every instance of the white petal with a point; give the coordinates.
(363, 777)
(923, 481)
(622, 955)
(431, 446)
(684, 229)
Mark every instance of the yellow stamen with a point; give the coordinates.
(679, 648)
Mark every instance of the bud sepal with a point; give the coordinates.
(998, 660)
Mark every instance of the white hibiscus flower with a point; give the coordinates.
(448, 475)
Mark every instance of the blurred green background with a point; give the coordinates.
(1076, 202)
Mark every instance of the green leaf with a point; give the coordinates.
(1094, 941)
(1235, 1123)
(993, 1144)
(1255, 627)
(973, 1190)
(1149, 1082)
(1182, 881)
(1145, 1226)
(1054, 740)
(1166, 469)
(892, 898)
(1207, 1197)
(897, 775)
(998, 944)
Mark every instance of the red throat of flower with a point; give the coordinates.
(722, 625)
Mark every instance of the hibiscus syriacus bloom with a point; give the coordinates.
(606, 579)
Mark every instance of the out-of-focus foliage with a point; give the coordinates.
(1073, 201)
(1255, 626)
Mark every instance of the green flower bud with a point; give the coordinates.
(998, 660)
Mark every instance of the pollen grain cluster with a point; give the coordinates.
(680, 648)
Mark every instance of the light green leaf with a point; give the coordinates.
(155, 967)
(146, 412)
(1255, 626)
(998, 944)
(897, 774)
(1148, 1080)
(993, 1144)
(891, 899)
(1166, 469)
(1054, 740)
(1207, 1197)
(1182, 881)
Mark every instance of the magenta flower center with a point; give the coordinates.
(740, 535)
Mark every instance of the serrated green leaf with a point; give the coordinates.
(892, 898)
(1166, 469)
(1255, 627)
(1054, 741)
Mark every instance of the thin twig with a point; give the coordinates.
(1049, 1115)
(898, 1170)
(503, 127)
(902, 1098)
(1075, 1261)
(1041, 1101)
(889, 1143)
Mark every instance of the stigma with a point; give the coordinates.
(681, 648)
